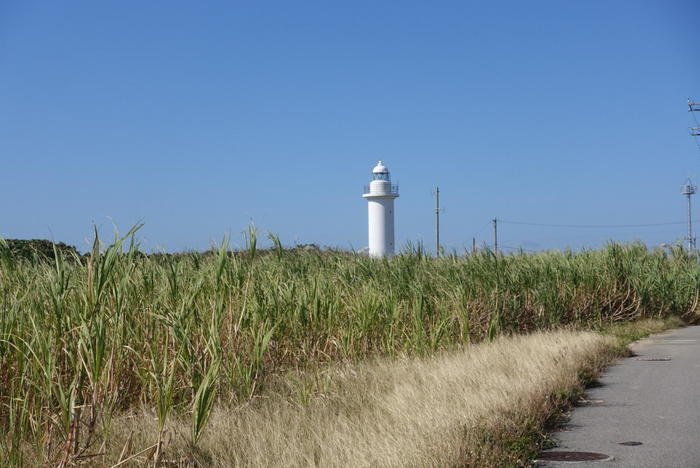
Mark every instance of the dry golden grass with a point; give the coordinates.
(466, 408)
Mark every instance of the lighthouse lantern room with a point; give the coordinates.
(380, 195)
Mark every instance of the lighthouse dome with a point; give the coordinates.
(380, 168)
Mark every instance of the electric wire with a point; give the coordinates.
(487, 225)
(507, 247)
(606, 226)
(593, 226)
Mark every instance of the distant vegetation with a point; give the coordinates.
(86, 340)
(37, 249)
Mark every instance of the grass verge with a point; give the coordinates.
(485, 405)
(629, 332)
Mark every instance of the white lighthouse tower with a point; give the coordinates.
(380, 196)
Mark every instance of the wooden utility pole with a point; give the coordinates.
(437, 221)
(495, 235)
(473, 244)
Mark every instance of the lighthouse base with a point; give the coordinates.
(381, 227)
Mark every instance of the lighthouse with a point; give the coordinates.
(380, 195)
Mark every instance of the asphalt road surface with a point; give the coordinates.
(652, 398)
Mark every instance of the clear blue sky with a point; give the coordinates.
(198, 117)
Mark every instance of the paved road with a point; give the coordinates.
(656, 403)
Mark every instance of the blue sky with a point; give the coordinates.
(198, 117)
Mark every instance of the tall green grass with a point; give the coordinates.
(84, 339)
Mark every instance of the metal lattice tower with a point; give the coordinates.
(688, 189)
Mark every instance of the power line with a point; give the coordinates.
(592, 225)
(519, 248)
(483, 228)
